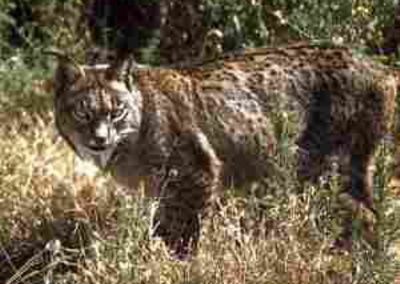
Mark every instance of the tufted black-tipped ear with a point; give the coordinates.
(115, 70)
(67, 72)
(120, 67)
(66, 75)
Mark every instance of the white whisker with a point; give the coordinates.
(127, 131)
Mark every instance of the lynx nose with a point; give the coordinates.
(101, 137)
(100, 140)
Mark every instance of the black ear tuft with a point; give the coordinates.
(120, 65)
(116, 69)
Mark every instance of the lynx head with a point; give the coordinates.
(95, 111)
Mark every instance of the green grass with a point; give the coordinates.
(267, 233)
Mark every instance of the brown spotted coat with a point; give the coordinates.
(210, 126)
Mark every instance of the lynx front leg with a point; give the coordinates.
(315, 145)
(193, 177)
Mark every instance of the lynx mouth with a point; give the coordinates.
(98, 149)
(100, 154)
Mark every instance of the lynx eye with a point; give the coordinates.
(120, 112)
(81, 111)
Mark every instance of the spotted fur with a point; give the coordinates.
(197, 129)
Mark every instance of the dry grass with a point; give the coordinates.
(264, 234)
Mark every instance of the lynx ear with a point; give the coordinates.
(116, 69)
(121, 67)
(66, 75)
(67, 72)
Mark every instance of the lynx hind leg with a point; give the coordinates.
(368, 128)
(359, 212)
(193, 177)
